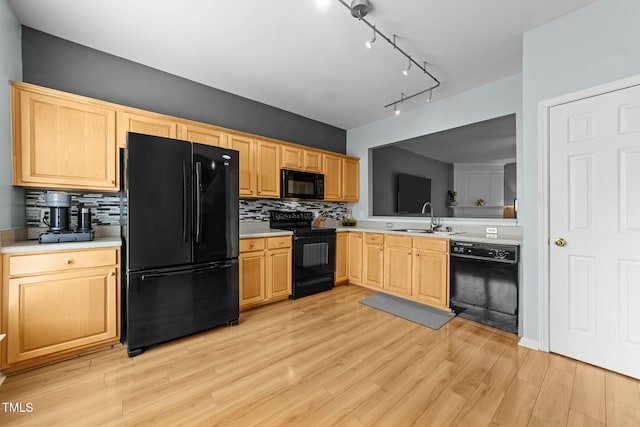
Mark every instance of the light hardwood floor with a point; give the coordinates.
(326, 360)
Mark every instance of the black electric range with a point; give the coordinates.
(314, 252)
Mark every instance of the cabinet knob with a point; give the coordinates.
(418, 254)
(113, 273)
(408, 253)
(67, 261)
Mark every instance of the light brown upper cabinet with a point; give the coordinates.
(268, 173)
(332, 166)
(312, 161)
(291, 157)
(67, 141)
(147, 123)
(62, 140)
(350, 179)
(246, 147)
(202, 134)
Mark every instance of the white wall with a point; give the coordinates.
(593, 45)
(12, 211)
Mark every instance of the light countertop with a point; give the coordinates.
(504, 239)
(271, 232)
(34, 246)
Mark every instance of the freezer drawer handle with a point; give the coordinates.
(151, 276)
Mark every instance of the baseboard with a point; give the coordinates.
(529, 343)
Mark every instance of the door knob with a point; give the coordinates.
(560, 242)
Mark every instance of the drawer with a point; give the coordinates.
(439, 245)
(279, 242)
(248, 245)
(402, 241)
(373, 238)
(61, 261)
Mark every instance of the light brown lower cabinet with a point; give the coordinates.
(59, 303)
(265, 270)
(416, 268)
(342, 257)
(398, 260)
(373, 259)
(354, 265)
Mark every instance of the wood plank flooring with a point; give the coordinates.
(326, 360)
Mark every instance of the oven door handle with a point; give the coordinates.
(481, 258)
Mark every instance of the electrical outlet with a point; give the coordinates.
(492, 230)
(389, 225)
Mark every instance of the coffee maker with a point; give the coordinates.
(59, 204)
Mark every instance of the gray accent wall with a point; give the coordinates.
(388, 161)
(60, 64)
(11, 198)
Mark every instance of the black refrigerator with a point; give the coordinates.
(181, 239)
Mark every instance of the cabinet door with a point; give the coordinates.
(373, 263)
(397, 269)
(201, 134)
(268, 169)
(355, 257)
(312, 161)
(431, 277)
(252, 273)
(279, 272)
(332, 177)
(148, 125)
(350, 180)
(247, 164)
(291, 157)
(342, 257)
(60, 143)
(56, 312)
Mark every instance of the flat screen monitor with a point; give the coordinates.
(413, 192)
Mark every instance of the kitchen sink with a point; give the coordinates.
(422, 230)
(414, 230)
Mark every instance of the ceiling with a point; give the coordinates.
(307, 56)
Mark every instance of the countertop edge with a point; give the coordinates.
(34, 246)
(267, 233)
(462, 236)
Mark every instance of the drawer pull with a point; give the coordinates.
(67, 261)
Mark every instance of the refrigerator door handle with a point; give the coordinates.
(198, 200)
(184, 202)
(151, 276)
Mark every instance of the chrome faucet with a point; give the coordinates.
(430, 211)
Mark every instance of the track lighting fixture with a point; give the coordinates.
(369, 43)
(359, 9)
(406, 70)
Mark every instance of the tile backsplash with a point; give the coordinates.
(110, 208)
(106, 208)
(258, 209)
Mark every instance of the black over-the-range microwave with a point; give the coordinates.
(301, 185)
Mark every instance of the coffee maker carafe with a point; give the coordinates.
(59, 204)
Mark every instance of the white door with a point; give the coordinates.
(594, 195)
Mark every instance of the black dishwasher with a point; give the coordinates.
(484, 283)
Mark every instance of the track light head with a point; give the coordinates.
(395, 110)
(406, 70)
(430, 94)
(369, 43)
(360, 8)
